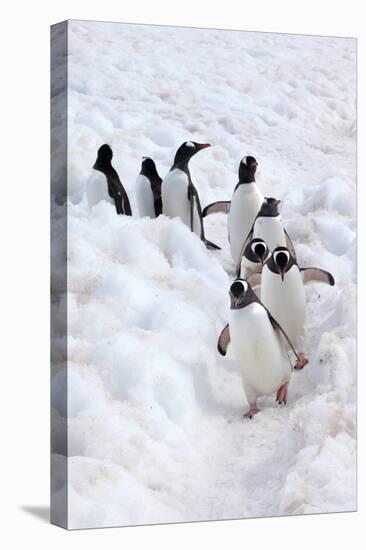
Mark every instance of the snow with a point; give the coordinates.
(156, 432)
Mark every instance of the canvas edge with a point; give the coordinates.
(58, 305)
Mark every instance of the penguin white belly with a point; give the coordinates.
(97, 189)
(286, 300)
(144, 197)
(271, 230)
(258, 350)
(248, 267)
(174, 193)
(245, 204)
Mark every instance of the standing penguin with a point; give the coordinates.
(283, 292)
(269, 227)
(243, 207)
(148, 189)
(258, 346)
(97, 189)
(179, 195)
(245, 204)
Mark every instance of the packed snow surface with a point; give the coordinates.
(156, 432)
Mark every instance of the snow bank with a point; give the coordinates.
(155, 426)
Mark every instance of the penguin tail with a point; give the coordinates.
(210, 245)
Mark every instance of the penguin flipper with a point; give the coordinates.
(314, 274)
(156, 191)
(122, 205)
(118, 193)
(289, 244)
(194, 200)
(210, 245)
(118, 203)
(158, 206)
(276, 326)
(224, 340)
(215, 207)
(126, 206)
(192, 195)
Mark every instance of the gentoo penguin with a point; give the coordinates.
(247, 200)
(109, 187)
(255, 254)
(269, 227)
(245, 204)
(258, 343)
(283, 292)
(148, 189)
(180, 197)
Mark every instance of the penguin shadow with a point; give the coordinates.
(40, 512)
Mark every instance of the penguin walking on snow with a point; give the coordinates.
(245, 204)
(283, 293)
(243, 207)
(148, 189)
(267, 226)
(179, 195)
(258, 343)
(109, 187)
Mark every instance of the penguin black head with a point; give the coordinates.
(281, 261)
(241, 294)
(104, 158)
(256, 251)
(186, 151)
(269, 207)
(148, 167)
(247, 169)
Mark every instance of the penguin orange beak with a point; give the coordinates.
(235, 300)
(261, 258)
(203, 145)
(238, 301)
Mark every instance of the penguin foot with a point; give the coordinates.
(210, 245)
(253, 409)
(301, 362)
(282, 394)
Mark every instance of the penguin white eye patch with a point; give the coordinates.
(190, 144)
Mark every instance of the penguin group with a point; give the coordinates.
(175, 195)
(267, 318)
